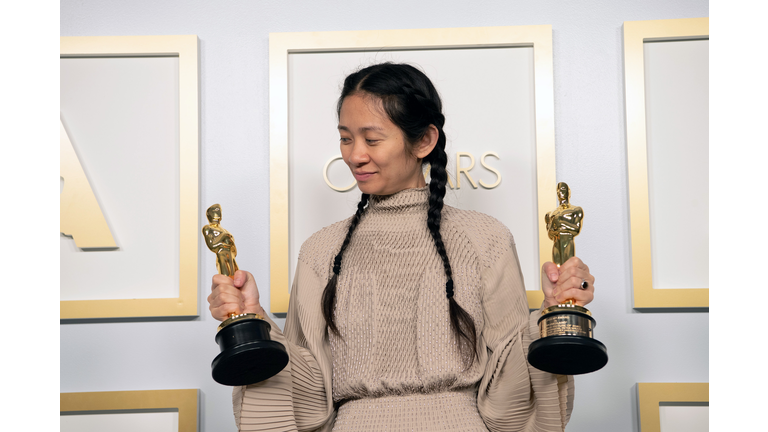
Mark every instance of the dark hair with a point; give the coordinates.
(412, 103)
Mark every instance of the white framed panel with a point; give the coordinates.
(684, 418)
(667, 160)
(121, 115)
(496, 87)
(677, 124)
(666, 406)
(129, 114)
(121, 422)
(144, 410)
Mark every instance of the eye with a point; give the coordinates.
(344, 140)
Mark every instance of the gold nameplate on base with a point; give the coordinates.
(566, 319)
(567, 345)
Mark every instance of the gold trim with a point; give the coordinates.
(235, 318)
(635, 33)
(569, 307)
(281, 44)
(650, 395)
(185, 401)
(186, 48)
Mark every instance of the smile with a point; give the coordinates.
(363, 176)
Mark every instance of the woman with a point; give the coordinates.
(410, 315)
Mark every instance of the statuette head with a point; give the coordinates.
(214, 213)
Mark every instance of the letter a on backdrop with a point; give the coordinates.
(81, 217)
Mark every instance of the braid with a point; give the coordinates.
(329, 293)
(435, 212)
(462, 324)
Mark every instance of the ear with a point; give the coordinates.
(427, 143)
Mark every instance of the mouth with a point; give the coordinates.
(362, 176)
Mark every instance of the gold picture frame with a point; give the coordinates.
(651, 395)
(635, 34)
(281, 44)
(184, 401)
(186, 48)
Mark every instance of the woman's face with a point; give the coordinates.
(374, 148)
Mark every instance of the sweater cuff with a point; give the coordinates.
(533, 325)
(274, 331)
(540, 380)
(268, 405)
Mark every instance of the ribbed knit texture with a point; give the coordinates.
(396, 366)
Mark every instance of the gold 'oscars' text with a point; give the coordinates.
(462, 169)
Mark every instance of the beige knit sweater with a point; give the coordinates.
(397, 367)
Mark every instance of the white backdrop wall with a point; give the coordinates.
(234, 80)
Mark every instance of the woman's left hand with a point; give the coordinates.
(565, 283)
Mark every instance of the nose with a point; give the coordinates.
(359, 153)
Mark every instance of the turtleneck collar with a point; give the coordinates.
(407, 200)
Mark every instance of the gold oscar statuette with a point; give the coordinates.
(248, 355)
(566, 346)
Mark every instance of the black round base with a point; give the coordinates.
(247, 354)
(567, 355)
(249, 363)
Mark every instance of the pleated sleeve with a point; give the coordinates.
(299, 398)
(513, 395)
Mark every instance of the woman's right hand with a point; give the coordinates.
(238, 295)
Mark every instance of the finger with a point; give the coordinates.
(575, 281)
(578, 272)
(574, 262)
(551, 270)
(243, 277)
(220, 279)
(226, 297)
(571, 290)
(579, 298)
(224, 311)
(225, 289)
(239, 278)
